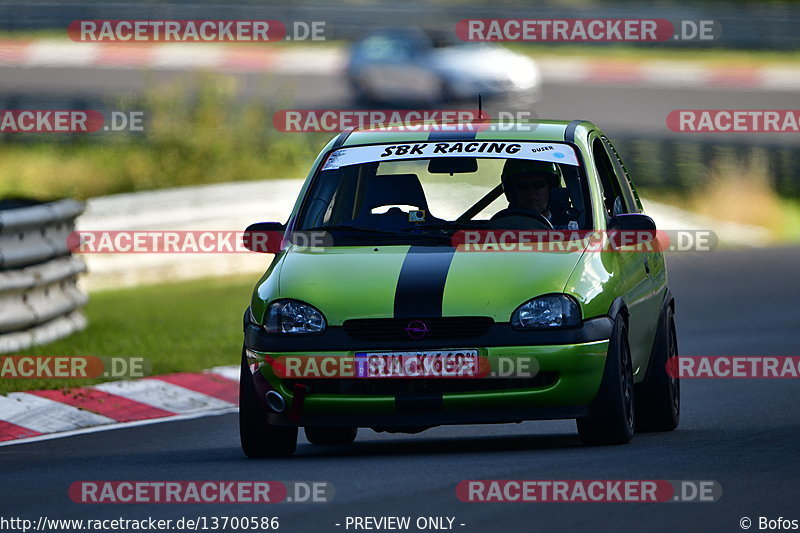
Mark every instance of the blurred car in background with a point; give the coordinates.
(412, 66)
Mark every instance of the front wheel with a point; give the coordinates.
(611, 415)
(259, 438)
(362, 91)
(445, 94)
(658, 398)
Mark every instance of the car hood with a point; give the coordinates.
(416, 281)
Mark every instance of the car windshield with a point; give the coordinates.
(421, 193)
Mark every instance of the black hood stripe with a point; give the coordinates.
(569, 132)
(420, 286)
(341, 138)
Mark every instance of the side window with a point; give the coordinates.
(384, 48)
(613, 200)
(632, 199)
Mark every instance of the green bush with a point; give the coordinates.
(196, 131)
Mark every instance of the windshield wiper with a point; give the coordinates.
(454, 225)
(410, 232)
(350, 227)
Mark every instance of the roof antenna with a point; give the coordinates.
(480, 107)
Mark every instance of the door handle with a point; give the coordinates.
(646, 266)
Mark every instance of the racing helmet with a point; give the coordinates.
(517, 168)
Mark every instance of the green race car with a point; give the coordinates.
(396, 302)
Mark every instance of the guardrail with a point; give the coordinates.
(672, 164)
(767, 25)
(39, 297)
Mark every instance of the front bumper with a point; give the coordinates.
(564, 384)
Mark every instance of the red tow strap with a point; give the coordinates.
(299, 391)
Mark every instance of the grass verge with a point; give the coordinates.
(738, 190)
(187, 326)
(197, 130)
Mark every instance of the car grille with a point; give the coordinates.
(401, 328)
(391, 387)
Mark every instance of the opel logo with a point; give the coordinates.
(416, 329)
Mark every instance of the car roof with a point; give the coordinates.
(430, 36)
(539, 130)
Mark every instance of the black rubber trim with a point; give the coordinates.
(246, 318)
(569, 132)
(432, 419)
(500, 334)
(616, 306)
(669, 299)
(420, 286)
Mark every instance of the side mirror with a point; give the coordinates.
(264, 237)
(632, 222)
(631, 229)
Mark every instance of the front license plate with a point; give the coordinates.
(426, 364)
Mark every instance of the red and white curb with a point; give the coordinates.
(36, 414)
(322, 60)
(55, 53)
(668, 74)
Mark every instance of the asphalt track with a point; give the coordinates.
(745, 434)
(617, 108)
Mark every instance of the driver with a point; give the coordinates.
(528, 184)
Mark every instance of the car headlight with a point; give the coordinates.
(550, 311)
(290, 317)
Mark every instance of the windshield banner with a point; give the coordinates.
(550, 152)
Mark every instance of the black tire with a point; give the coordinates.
(259, 438)
(330, 435)
(658, 398)
(362, 94)
(446, 94)
(611, 417)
